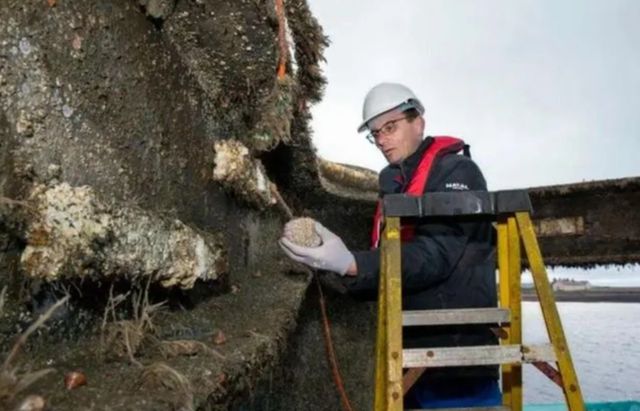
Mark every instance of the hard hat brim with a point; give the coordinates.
(407, 105)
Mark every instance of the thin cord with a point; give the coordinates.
(331, 354)
(326, 325)
(282, 39)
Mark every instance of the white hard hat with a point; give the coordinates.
(385, 97)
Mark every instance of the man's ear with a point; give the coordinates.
(420, 124)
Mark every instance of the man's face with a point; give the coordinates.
(395, 136)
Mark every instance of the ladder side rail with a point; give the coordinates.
(380, 394)
(504, 297)
(515, 307)
(389, 377)
(571, 387)
(394, 313)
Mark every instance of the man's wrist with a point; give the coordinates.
(352, 271)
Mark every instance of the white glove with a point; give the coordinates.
(331, 255)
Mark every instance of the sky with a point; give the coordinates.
(545, 91)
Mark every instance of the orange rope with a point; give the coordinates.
(282, 39)
(326, 327)
(331, 354)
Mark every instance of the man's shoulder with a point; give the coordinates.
(451, 161)
(455, 172)
(389, 170)
(388, 179)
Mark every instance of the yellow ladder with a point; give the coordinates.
(512, 212)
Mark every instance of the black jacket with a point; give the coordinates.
(449, 264)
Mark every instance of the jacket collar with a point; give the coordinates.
(408, 166)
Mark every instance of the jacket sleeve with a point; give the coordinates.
(437, 246)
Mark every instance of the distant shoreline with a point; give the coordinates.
(595, 294)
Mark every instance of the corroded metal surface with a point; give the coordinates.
(591, 223)
(129, 98)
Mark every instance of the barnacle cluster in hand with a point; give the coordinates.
(302, 231)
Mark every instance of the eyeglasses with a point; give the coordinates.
(387, 128)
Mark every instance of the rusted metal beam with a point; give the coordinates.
(589, 223)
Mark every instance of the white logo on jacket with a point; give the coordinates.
(456, 186)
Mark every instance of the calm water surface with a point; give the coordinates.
(604, 342)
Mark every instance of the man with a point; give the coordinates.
(445, 263)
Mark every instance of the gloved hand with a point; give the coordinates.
(331, 255)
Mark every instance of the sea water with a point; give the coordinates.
(604, 341)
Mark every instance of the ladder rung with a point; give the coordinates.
(456, 316)
(497, 408)
(476, 355)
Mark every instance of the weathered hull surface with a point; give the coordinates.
(110, 112)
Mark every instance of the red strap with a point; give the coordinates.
(418, 183)
(376, 229)
(440, 145)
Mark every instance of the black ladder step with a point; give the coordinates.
(455, 316)
(476, 355)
